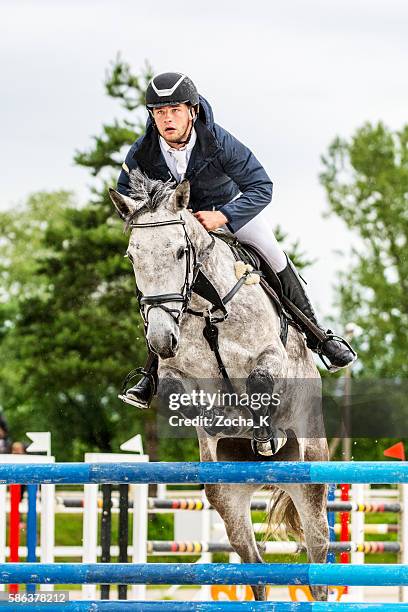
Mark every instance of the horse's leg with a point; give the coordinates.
(172, 385)
(233, 503)
(310, 501)
(270, 366)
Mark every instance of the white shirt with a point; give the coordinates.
(177, 159)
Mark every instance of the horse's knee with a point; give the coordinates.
(169, 384)
(260, 379)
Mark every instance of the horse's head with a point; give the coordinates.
(162, 255)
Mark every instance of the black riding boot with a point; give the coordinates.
(141, 394)
(336, 349)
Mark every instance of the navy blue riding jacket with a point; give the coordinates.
(220, 168)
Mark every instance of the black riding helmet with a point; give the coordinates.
(171, 88)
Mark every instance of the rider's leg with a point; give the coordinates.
(258, 232)
(140, 395)
(339, 354)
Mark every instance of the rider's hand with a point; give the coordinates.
(211, 219)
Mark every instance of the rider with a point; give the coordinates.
(228, 187)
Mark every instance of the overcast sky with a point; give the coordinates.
(285, 77)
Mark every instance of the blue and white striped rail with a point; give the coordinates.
(263, 472)
(204, 573)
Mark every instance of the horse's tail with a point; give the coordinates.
(282, 517)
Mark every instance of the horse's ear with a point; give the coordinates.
(182, 195)
(123, 204)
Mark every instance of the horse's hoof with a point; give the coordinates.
(133, 401)
(264, 448)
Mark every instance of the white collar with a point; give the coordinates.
(187, 147)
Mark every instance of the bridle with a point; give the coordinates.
(192, 269)
(195, 280)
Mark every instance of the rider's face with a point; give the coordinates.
(173, 122)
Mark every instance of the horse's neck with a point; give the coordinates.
(218, 267)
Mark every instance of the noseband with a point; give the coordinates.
(193, 266)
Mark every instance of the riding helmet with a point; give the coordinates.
(171, 88)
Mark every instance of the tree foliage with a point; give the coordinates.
(366, 181)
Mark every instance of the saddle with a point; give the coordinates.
(269, 280)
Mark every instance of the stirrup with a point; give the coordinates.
(132, 402)
(319, 350)
(131, 376)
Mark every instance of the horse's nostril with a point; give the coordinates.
(173, 342)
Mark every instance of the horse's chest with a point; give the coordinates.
(239, 341)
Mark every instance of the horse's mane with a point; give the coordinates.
(149, 194)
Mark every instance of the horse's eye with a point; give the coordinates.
(181, 252)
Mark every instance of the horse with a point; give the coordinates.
(167, 245)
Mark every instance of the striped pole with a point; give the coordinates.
(269, 548)
(260, 505)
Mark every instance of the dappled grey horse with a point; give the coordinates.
(166, 245)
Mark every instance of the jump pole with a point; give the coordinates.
(262, 472)
(205, 573)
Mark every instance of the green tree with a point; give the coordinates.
(22, 234)
(366, 181)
